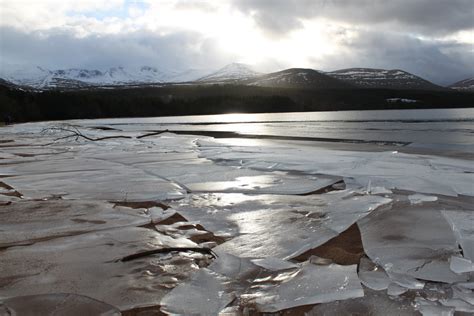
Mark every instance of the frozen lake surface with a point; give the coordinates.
(319, 213)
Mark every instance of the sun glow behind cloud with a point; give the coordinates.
(271, 35)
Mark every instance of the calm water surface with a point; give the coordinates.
(447, 127)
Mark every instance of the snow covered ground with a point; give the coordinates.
(237, 225)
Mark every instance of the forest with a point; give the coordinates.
(21, 105)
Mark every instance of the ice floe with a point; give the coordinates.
(232, 279)
(56, 304)
(391, 170)
(87, 265)
(411, 241)
(29, 221)
(261, 224)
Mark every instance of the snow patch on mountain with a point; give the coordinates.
(40, 78)
(297, 78)
(382, 78)
(463, 85)
(234, 71)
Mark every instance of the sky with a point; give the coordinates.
(430, 38)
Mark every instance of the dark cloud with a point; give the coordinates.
(430, 17)
(62, 49)
(438, 61)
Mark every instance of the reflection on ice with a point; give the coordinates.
(258, 204)
(266, 290)
(391, 170)
(261, 224)
(86, 265)
(312, 284)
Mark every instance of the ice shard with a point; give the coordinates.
(56, 304)
(312, 284)
(415, 241)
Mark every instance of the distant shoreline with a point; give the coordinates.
(25, 106)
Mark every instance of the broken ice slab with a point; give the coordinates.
(264, 227)
(188, 230)
(202, 175)
(274, 264)
(465, 292)
(374, 303)
(56, 304)
(312, 284)
(421, 198)
(273, 183)
(28, 221)
(461, 265)
(462, 224)
(211, 289)
(264, 222)
(87, 264)
(206, 293)
(429, 308)
(418, 173)
(458, 305)
(415, 241)
(373, 276)
(395, 289)
(119, 184)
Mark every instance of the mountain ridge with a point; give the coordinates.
(234, 73)
(463, 85)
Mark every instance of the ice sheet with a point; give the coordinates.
(27, 221)
(56, 304)
(391, 170)
(373, 276)
(261, 225)
(312, 284)
(462, 223)
(211, 289)
(86, 265)
(374, 303)
(414, 241)
(206, 293)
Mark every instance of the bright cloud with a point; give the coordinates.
(270, 35)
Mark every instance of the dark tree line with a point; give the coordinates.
(193, 100)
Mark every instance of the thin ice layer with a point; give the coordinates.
(391, 170)
(202, 175)
(56, 304)
(211, 289)
(263, 229)
(462, 223)
(411, 240)
(30, 221)
(269, 289)
(110, 185)
(87, 265)
(312, 284)
(206, 293)
(373, 276)
(374, 303)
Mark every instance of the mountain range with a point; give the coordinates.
(235, 73)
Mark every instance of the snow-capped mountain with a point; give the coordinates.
(463, 85)
(297, 78)
(382, 78)
(231, 72)
(235, 73)
(41, 78)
